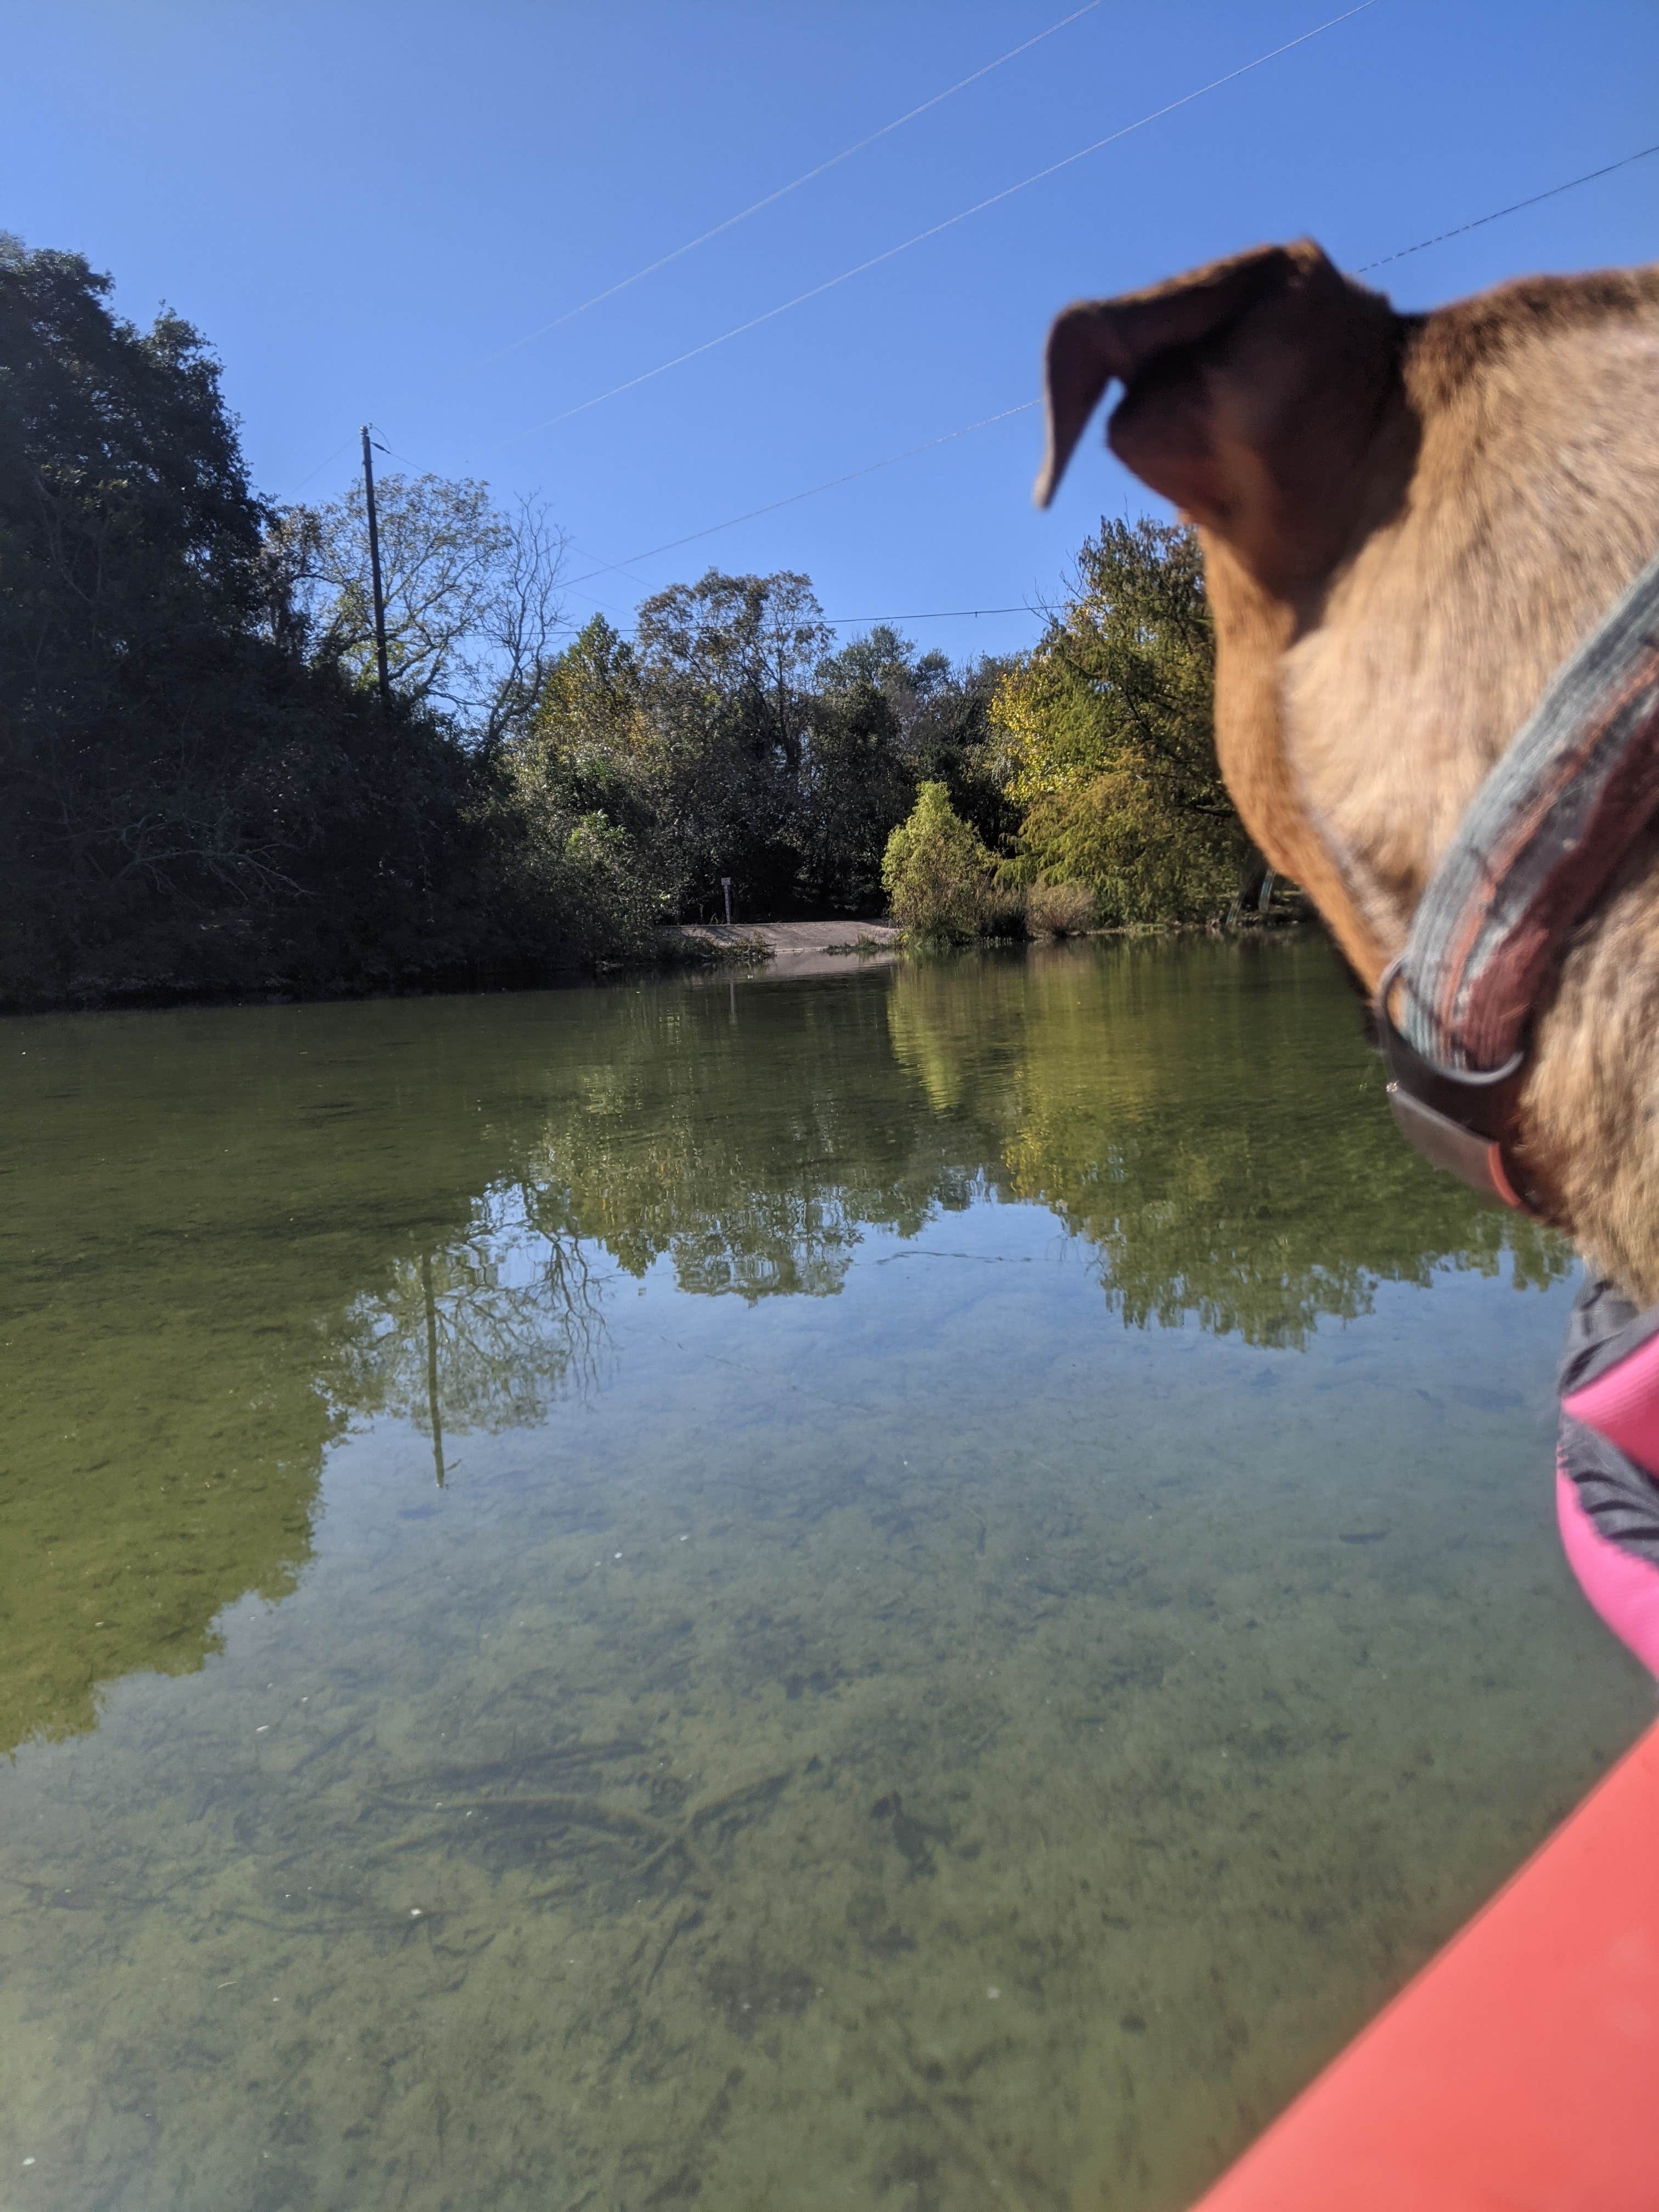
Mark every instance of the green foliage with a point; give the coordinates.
(726, 664)
(939, 878)
(859, 777)
(888, 720)
(200, 790)
(124, 508)
(726, 741)
(186, 803)
(1108, 725)
(575, 843)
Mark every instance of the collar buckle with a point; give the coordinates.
(1458, 1120)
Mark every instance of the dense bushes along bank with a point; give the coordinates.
(200, 793)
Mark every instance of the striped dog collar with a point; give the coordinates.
(1537, 846)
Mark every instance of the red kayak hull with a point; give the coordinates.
(1519, 2072)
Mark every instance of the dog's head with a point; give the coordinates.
(1408, 522)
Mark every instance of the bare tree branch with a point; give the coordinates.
(472, 604)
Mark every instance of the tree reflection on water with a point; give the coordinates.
(234, 1233)
(486, 1334)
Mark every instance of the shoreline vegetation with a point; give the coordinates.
(203, 796)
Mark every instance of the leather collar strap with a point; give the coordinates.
(1538, 845)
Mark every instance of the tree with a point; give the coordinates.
(1109, 726)
(952, 738)
(472, 606)
(576, 838)
(936, 873)
(746, 646)
(129, 583)
(187, 802)
(591, 733)
(886, 721)
(726, 664)
(125, 511)
(859, 778)
(201, 790)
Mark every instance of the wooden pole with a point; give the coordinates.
(374, 571)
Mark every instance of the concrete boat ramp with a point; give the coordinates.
(793, 948)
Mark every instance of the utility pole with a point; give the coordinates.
(375, 570)
(434, 1412)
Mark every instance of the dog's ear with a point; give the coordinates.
(1251, 388)
(1094, 341)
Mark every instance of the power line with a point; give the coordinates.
(870, 468)
(1571, 185)
(605, 606)
(937, 614)
(379, 439)
(338, 450)
(607, 567)
(942, 614)
(817, 291)
(795, 185)
(811, 492)
(322, 464)
(985, 421)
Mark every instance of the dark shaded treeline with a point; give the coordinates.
(226, 1238)
(187, 803)
(200, 792)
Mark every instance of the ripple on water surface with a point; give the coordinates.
(915, 1589)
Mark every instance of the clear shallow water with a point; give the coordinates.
(992, 1593)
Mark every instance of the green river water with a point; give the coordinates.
(910, 1588)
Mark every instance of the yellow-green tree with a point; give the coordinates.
(1108, 728)
(940, 878)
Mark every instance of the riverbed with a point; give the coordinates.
(914, 1587)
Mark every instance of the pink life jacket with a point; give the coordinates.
(1607, 1463)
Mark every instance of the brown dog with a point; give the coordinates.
(1408, 522)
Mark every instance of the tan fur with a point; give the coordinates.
(1408, 523)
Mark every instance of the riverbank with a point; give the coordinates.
(798, 948)
(828, 945)
(790, 948)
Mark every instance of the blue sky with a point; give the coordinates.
(367, 207)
